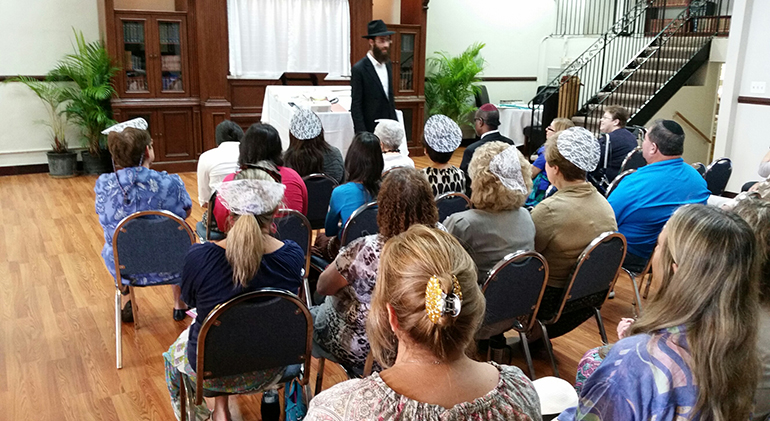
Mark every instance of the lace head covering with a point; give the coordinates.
(251, 197)
(580, 147)
(506, 167)
(305, 124)
(137, 123)
(442, 134)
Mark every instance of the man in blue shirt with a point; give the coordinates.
(645, 200)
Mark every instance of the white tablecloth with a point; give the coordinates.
(513, 121)
(338, 126)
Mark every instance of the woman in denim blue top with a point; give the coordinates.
(693, 353)
(134, 188)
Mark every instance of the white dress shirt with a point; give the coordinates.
(489, 132)
(382, 72)
(213, 166)
(393, 160)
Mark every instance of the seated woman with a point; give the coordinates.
(405, 199)
(262, 143)
(498, 225)
(693, 352)
(363, 165)
(425, 310)
(308, 152)
(568, 221)
(391, 133)
(540, 181)
(134, 187)
(215, 272)
(441, 137)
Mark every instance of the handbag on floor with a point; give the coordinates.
(295, 404)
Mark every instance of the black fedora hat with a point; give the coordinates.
(377, 28)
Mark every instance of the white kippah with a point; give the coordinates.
(556, 395)
(442, 134)
(305, 124)
(251, 197)
(507, 168)
(137, 123)
(580, 147)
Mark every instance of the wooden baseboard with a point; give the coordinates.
(24, 169)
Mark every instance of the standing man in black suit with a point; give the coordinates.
(486, 121)
(371, 81)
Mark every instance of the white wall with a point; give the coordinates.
(740, 134)
(34, 35)
(513, 30)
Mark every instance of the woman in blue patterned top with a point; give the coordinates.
(134, 188)
(692, 355)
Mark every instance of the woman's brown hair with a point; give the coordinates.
(554, 158)
(756, 213)
(405, 199)
(407, 263)
(709, 284)
(128, 147)
(487, 191)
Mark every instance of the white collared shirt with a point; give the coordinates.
(489, 132)
(213, 166)
(382, 72)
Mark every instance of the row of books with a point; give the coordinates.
(171, 63)
(133, 62)
(169, 33)
(133, 32)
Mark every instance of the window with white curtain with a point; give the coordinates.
(270, 37)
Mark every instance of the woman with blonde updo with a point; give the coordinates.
(498, 224)
(425, 311)
(134, 187)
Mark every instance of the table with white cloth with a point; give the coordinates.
(513, 120)
(338, 125)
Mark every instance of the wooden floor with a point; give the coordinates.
(56, 315)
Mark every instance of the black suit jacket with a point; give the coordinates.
(369, 101)
(468, 154)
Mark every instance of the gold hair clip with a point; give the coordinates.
(438, 304)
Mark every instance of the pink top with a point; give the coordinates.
(295, 196)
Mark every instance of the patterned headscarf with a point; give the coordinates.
(137, 123)
(580, 147)
(507, 168)
(305, 124)
(442, 134)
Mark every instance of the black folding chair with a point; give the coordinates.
(592, 279)
(513, 290)
(634, 160)
(699, 167)
(261, 330)
(293, 225)
(319, 193)
(362, 222)
(322, 355)
(449, 203)
(147, 242)
(717, 175)
(211, 223)
(617, 181)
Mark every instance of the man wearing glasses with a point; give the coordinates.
(485, 122)
(370, 81)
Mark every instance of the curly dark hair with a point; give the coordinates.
(405, 199)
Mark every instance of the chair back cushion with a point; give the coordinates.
(513, 290)
(449, 203)
(617, 181)
(151, 242)
(634, 160)
(717, 175)
(361, 223)
(597, 267)
(260, 330)
(319, 193)
(292, 225)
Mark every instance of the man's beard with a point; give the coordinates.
(381, 56)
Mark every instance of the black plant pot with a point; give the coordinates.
(62, 165)
(96, 164)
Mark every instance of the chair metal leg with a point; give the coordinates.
(549, 348)
(319, 377)
(638, 299)
(191, 405)
(182, 399)
(647, 288)
(118, 332)
(599, 321)
(525, 345)
(306, 291)
(134, 307)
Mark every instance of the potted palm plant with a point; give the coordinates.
(61, 161)
(88, 103)
(451, 84)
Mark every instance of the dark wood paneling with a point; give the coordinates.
(38, 77)
(360, 15)
(23, 169)
(177, 134)
(753, 100)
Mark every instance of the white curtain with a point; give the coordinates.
(270, 37)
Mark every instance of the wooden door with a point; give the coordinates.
(170, 56)
(176, 135)
(407, 60)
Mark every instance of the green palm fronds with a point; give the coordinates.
(92, 70)
(451, 84)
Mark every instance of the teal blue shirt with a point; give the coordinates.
(345, 200)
